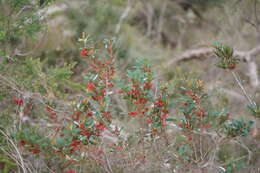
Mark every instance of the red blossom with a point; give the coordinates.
(147, 85)
(89, 114)
(201, 113)
(71, 171)
(165, 111)
(57, 151)
(99, 160)
(84, 52)
(73, 149)
(133, 92)
(159, 103)
(149, 121)
(120, 92)
(100, 126)
(34, 150)
(106, 114)
(22, 142)
(52, 113)
(75, 116)
(208, 125)
(83, 130)
(18, 101)
(140, 101)
(189, 93)
(97, 98)
(91, 86)
(132, 114)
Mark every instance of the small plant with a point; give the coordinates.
(236, 128)
(226, 60)
(255, 110)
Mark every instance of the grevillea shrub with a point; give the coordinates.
(131, 122)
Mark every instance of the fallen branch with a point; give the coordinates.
(203, 53)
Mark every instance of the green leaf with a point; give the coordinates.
(171, 120)
(60, 141)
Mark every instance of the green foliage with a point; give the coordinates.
(254, 110)
(226, 58)
(236, 128)
(234, 166)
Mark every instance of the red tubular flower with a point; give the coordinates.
(189, 93)
(71, 171)
(89, 114)
(159, 103)
(57, 151)
(97, 98)
(91, 86)
(149, 121)
(75, 116)
(83, 130)
(106, 114)
(84, 52)
(201, 113)
(18, 101)
(73, 149)
(208, 125)
(100, 126)
(22, 142)
(132, 114)
(34, 150)
(147, 85)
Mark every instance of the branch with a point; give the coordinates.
(123, 16)
(203, 53)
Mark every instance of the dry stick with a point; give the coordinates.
(124, 15)
(245, 147)
(243, 89)
(17, 151)
(203, 53)
(161, 21)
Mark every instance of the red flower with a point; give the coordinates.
(34, 150)
(208, 125)
(189, 93)
(83, 130)
(73, 149)
(165, 111)
(91, 87)
(100, 126)
(18, 101)
(57, 151)
(159, 103)
(149, 121)
(84, 52)
(201, 113)
(120, 92)
(133, 92)
(22, 142)
(89, 114)
(75, 116)
(132, 114)
(71, 171)
(97, 98)
(106, 114)
(147, 85)
(99, 160)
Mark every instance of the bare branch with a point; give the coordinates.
(124, 15)
(203, 53)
